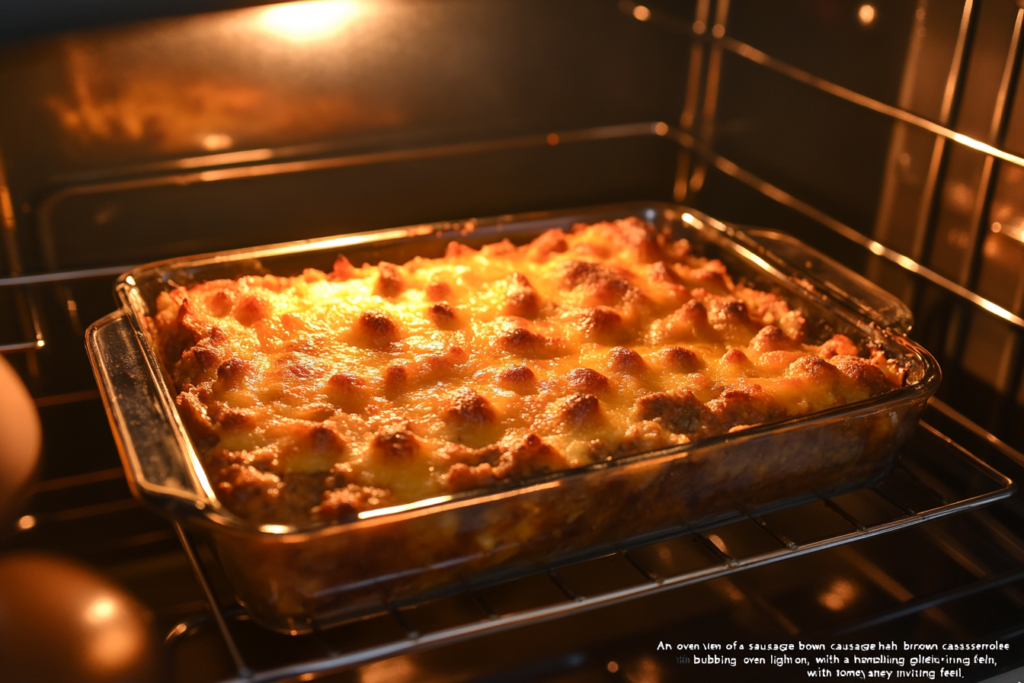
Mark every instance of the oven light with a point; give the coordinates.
(100, 611)
(866, 15)
(311, 20)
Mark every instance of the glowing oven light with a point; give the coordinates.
(310, 20)
(866, 15)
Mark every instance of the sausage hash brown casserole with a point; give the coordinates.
(316, 397)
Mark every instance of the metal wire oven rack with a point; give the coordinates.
(75, 511)
(935, 478)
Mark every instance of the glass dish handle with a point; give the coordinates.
(158, 460)
(838, 281)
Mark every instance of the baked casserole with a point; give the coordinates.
(317, 397)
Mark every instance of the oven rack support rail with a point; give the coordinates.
(936, 478)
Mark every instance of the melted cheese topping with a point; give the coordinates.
(319, 396)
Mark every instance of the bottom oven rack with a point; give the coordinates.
(935, 478)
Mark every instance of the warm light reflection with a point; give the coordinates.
(613, 667)
(116, 647)
(642, 13)
(311, 20)
(396, 670)
(26, 522)
(394, 509)
(719, 543)
(838, 595)
(100, 611)
(215, 142)
(866, 15)
(1012, 228)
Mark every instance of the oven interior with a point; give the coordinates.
(889, 136)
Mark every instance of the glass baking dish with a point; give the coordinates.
(288, 577)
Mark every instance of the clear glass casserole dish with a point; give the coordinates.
(288, 576)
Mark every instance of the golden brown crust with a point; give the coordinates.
(324, 395)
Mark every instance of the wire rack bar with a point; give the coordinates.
(240, 666)
(648, 583)
(64, 276)
(779, 195)
(31, 324)
(928, 211)
(926, 602)
(751, 53)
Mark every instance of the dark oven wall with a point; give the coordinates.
(888, 135)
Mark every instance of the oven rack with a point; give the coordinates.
(936, 478)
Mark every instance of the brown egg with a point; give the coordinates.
(20, 438)
(60, 621)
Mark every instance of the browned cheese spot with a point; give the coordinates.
(731, 319)
(317, 412)
(678, 359)
(246, 490)
(604, 325)
(396, 379)
(771, 338)
(530, 456)
(463, 477)
(346, 391)
(342, 503)
(522, 342)
(467, 408)
(237, 419)
(627, 361)
(324, 439)
(389, 280)
(443, 316)
(745, 407)
(601, 284)
(376, 329)
(580, 410)
(197, 364)
(221, 302)
(838, 345)
(230, 374)
(395, 443)
(588, 381)
(517, 377)
(438, 291)
(736, 357)
(690, 323)
(863, 379)
(522, 299)
(252, 308)
(680, 412)
(820, 372)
